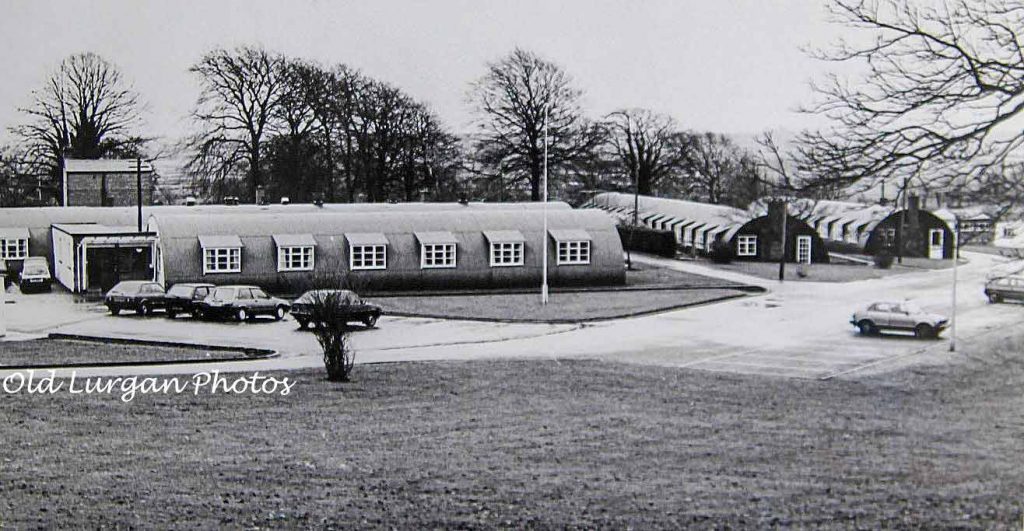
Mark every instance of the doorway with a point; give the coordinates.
(936, 240)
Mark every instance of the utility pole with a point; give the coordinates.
(782, 257)
(544, 273)
(138, 188)
(956, 261)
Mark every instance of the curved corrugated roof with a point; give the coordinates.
(722, 216)
(334, 223)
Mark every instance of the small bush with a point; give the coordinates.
(883, 259)
(328, 318)
(721, 252)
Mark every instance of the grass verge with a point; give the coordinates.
(561, 307)
(56, 352)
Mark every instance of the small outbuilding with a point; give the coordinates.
(94, 257)
(697, 226)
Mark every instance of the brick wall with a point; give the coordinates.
(107, 189)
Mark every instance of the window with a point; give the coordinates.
(368, 257)
(746, 245)
(506, 254)
(297, 258)
(435, 255)
(573, 252)
(888, 237)
(14, 249)
(222, 260)
(803, 249)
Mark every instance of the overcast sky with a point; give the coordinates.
(732, 66)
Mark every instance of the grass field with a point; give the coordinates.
(59, 352)
(531, 444)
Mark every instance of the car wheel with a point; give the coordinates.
(303, 323)
(370, 320)
(924, 331)
(867, 328)
(242, 315)
(995, 299)
(115, 311)
(279, 313)
(144, 309)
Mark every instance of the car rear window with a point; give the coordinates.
(181, 291)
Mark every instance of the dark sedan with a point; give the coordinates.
(140, 296)
(185, 298)
(353, 307)
(241, 303)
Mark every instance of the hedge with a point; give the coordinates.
(647, 240)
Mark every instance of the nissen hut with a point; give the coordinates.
(697, 226)
(469, 248)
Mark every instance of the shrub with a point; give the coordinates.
(883, 259)
(328, 311)
(648, 240)
(721, 252)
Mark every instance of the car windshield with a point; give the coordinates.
(223, 293)
(34, 269)
(126, 287)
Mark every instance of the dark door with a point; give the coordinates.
(106, 266)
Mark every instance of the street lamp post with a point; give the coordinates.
(544, 247)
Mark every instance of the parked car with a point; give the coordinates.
(905, 316)
(6, 274)
(241, 303)
(355, 308)
(140, 296)
(1005, 289)
(35, 275)
(185, 298)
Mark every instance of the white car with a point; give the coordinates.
(905, 316)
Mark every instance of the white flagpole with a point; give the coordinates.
(544, 273)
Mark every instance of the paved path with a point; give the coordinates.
(799, 329)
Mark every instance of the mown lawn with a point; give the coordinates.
(561, 307)
(531, 444)
(60, 352)
(831, 272)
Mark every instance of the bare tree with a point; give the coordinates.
(511, 100)
(85, 110)
(241, 91)
(645, 145)
(719, 171)
(939, 89)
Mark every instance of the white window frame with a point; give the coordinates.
(573, 252)
(501, 250)
(374, 250)
(800, 240)
(286, 258)
(233, 254)
(438, 255)
(746, 245)
(19, 246)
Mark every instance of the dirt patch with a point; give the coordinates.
(63, 352)
(531, 444)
